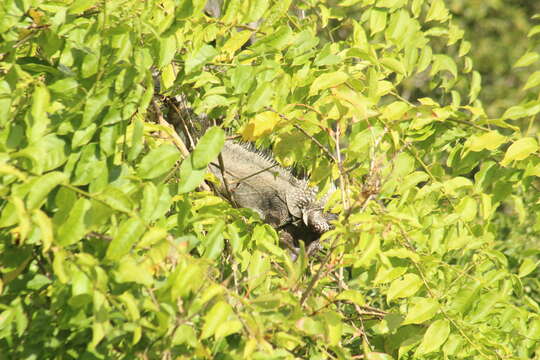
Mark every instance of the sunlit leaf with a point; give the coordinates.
(405, 287)
(434, 338)
(199, 57)
(217, 315)
(520, 150)
(527, 59)
(158, 161)
(208, 147)
(127, 235)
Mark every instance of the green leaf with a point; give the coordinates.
(79, 6)
(42, 187)
(214, 241)
(276, 40)
(520, 150)
(532, 81)
(334, 328)
(208, 147)
(527, 266)
(527, 59)
(534, 30)
(74, 228)
(260, 125)
(130, 271)
(167, 50)
(377, 20)
(94, 105)
(395, 111)
(83, 136)
(437, 11)
(199, 57)
(137, 140)
(236, 41)
(116, 199)
(326, 81)
(261, 97)
(158, 161)
(255, 10)
(64, 86)
(393, 64)
(490, 140)
(242, 77)
(189, 8)
(259, 265)
(476, 85)
(354, 296)
(40, 120)
(46, 227)
(190, 178)
(422, 309)
(486, 306)
(90, 65)
(152, 237)
(467, 208)
(403, 288)
(443, 62)
(434, 338)
(128, 234)
(185, 334)
(218, 314)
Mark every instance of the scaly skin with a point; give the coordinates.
(257, 182)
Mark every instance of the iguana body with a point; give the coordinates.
(257, 182)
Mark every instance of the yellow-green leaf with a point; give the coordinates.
(519, 150)
(128, 233)
(393, 64)
(262, 124)
(217, 315)
(422, 309)
(236, 41)
(208, 147)
(437, 11)
(527, 266)
(326, 81)
(434, 338)
(403, 288)
(377, 20)
(490, 140)
(527, 59)
(395, 111)
(532, 81)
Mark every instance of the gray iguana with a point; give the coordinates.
(256, 181)
(253, 180)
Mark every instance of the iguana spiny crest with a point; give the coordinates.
(256, 181)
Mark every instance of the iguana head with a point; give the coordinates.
(317, 220)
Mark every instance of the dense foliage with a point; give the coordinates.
(111, 248)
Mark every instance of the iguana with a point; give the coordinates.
(254, 180)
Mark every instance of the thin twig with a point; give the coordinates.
(174, 137)
(225, 181)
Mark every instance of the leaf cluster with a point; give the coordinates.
(110, 246)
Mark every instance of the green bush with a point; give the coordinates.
(111, 248)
